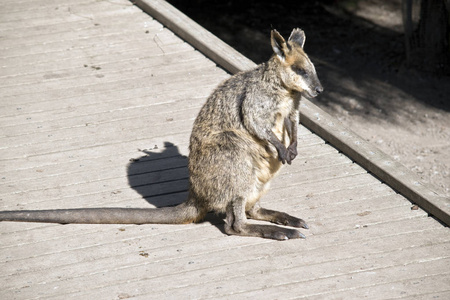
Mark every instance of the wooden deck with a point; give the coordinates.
(97, 103)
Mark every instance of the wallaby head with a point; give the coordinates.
(295, 69)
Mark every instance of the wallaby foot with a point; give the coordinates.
(277, 217)
(236, 223)
(264, 231)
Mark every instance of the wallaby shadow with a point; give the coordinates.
(161, 177)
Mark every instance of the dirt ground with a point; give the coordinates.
(358, 50)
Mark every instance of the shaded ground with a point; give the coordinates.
(358, 52)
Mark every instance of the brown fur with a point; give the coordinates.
(241, 137)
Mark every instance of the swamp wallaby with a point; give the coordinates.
(243, 134)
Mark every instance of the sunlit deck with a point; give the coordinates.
(97, 103)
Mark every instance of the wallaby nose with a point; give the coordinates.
(319, 89)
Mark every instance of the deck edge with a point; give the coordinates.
(391, 172)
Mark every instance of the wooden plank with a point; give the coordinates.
(38, 62)
(393, 173)
(51, 10)
(100, 78)
(59, 68)
(23, 5)
(99, 41)
(431, 287)
(97, 114)
(117, 85)
(73, 13)
(14, 113)
(84, 27)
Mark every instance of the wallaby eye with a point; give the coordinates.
(299, 71)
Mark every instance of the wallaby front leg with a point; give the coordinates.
(291, 127)
(281, 149)
(260, 123)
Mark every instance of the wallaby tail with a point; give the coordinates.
(181, 214)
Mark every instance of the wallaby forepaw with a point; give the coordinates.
(291, 152)
(283, 157)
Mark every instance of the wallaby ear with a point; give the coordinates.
(278, 44)
(298, 37)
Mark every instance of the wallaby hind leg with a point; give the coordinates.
(236, 224)
(262, 214)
